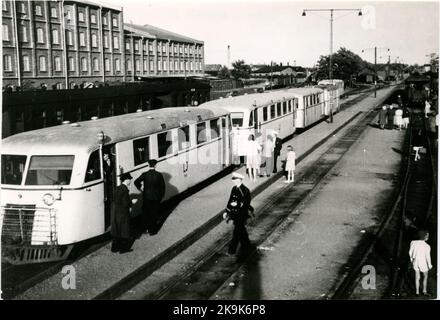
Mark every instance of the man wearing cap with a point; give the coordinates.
(120, 217)
(237, 210)
(276, 151)
(152, 185)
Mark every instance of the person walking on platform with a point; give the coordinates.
(390, 117)
(152, 185)
(427, 108)
(120, 217)
(405, 117)
(237, 210)
(290, 164)
(383, 117)
(420, 256)
(268, 151)
(276, 151)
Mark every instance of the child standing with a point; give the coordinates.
(420, 255)
(290, 164)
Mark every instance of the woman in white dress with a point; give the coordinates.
(290, 164)
(253, 148)
(420, 255)
(398, 119)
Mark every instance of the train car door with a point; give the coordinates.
(109, 171)
(225, 131)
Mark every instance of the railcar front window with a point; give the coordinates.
(12, 169)
(237, 119)
(49, 170)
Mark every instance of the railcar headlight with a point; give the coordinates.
(48, 199)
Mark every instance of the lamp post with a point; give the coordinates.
(330, 73)
(375, 63)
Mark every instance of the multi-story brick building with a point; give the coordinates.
(150, 51)
(65, 43)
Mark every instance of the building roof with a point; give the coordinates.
(98, 3)
(269, 69)
(70, 139)
(154, 32)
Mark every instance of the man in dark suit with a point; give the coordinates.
(276, 151)
(152, 185)
(237, 210)
(120, 217)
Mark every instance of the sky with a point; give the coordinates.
(261, 31)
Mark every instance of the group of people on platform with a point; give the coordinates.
(394, 116)
(262, 156)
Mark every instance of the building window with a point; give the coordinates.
(7, 62)
(104, 20)
(176, 65)
(171, 65)
(26, 63)
(93, 18)
(81, 17)
(128, 65)
(54, 12)
(71, 64)
(150, 47)
(165, 62)
(95, 64)
(118, 65)
(38, 10)
(181, 65)
(83, 64)
(69, 38)
(22, 7)
(115, 42)
(137, 65)
(127, 45)
(105, 41)
(4, 7)
(40, 35)
(69, 16)
(42, 62)
(107, 64)
(151, 65)
(145, 65)
(82, 39)
(5, 30)
(94, 41)
(55, 37)
(115, 22)
(191, 66)
(24, 37)
(57, 61)
(180, 49)
(175, 49)
(159, 65)
(164, 48)
(136, 45)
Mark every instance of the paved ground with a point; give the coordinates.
(99, 270)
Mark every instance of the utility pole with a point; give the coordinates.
(375, 66)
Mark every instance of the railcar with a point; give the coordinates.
(55, 192)
(258, 113)
(338, 83)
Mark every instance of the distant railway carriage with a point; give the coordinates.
(338, 83)
(311, 106)
(53, 188)
(260, 112)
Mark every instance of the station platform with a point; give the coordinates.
(101, 269)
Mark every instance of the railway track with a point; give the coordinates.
(17, 279)
(387, 250)
(212, 268)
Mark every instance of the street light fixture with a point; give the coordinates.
(331, 31)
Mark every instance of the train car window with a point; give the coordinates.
(50, 170)
(215, 129)
(272, 111)
(278, 109)
(201, 132)
(265, 114)
(290, 106)
(93, 171)
(284, 107)
(12, 168)
(141, 150)
(164, 143)
(251, 119)
(317, 98)
(183, 138)
(237, 119)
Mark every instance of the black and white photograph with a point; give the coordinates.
(240, 152)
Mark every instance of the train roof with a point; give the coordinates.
(300, 92)
(248, 101)
(67, 138)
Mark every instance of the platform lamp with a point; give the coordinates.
(330, 73)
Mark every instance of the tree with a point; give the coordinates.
(241, 70)
(224, 73)
(345, 64)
